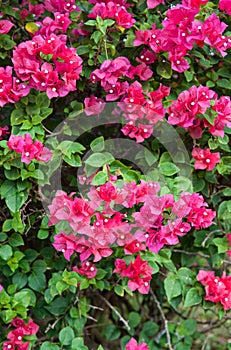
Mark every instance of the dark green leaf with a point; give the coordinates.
(16, 240)
(37, 281)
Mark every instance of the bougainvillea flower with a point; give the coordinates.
(138, 272)
(205, 159)
(225, 5)
(133, 345)
(5, 26)
(151, 4)
(93, 105)
(66, 244)
(30, 150)
(87, 269)
(4, 131)
(218, 289)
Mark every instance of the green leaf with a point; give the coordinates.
(43, 234)
(19, 279)
(7, 226)
(49, 346)
(172, 287)
(78, 343)
(16, 240)
(108, 22)
(6, 43)
(69, 147)
(5, 298)
(42, 100)
(192, 298)
(3, 236)
(37, 281)
(168, 169)
(97, 160)
(111, 332)
(97, 36)
(134, 319)
(100, 178)
(6, 252)
(73, 160)
(32, 110)
(210, 117)
(149, 329)
(188, 75)
(12, 174)
(23, 298)
(61, 287)
(189, 326)
(82, 49)
(39, 266)
(58, 306)
(15, 202)
(205, 63)
(8, 189)
(164, 70)
(66, 335)
(185, 275)
(91, 22)
(227, 192)
(224, 83)
(119, 290)
(97, 145)
(222, 244)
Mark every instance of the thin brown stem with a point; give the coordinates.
(163, 318)
(115, 311)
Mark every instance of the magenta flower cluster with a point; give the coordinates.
(16, 336)
(149, 221)
(191, 105)
(47, 64)
(218, 289)
(29, 149)
(181, 31)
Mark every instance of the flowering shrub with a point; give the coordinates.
(115, 168)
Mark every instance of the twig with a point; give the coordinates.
(163, 318)
(115, 311)
(91, 318)
(206, 256)
(216, 324)
(77, 300)
(191, 253)
(51, 133)
(209, 235)
(206, 341)
(52, 326)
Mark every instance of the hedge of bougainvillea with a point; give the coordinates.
(115, 174)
